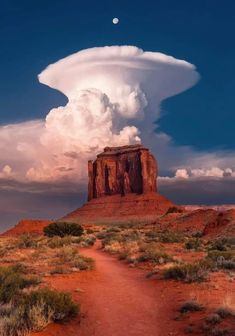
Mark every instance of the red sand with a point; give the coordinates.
(131, 206)
(117, 301)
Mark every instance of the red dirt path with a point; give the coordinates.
(117, 301)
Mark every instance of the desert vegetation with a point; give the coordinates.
(25, 307)
(29, 303)
(184, 258)
(170, 251)
(174, 258)
(63, 229)
(209, 322)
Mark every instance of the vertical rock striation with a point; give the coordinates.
(122, 170)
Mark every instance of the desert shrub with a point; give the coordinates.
(213, 318)
(35, 310)
(197, 234)
(193, 244)
(88, 240)
(225, 264)
(127, 236)
(227, 255)
(113, 247)
(14, 324)
(39, 316)
(196, 272)
(123, 255)
(3, 251)
(224, 312)
(12, 281)
(5, 309)
(191, 306)
(77, 240)
(221, 332)
(63, 229)
(83, 263)
(25, 241)
(59, 270)
(58, 304)
(130, 236)
(152, 234)
(170, 237)
(151, 252)
(110, 238)
(174, 209)
(101, 234)
(89, 231)
(222, 244)
(56, 241)
(223, 259)
(67, 253)
(113, 229)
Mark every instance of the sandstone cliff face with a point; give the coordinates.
(122, 170)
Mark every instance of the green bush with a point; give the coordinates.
(224, 312)
(170, 237)
(59, 304)
(12, 281)
(63, 229)
(87, 240)
(59, 270)
(83, 263)
(191, 306)
(196, 272)
(193, 244)
(227, 255)
(67, 253)
(35, 310)
(56, 241)
(213, 318)
(222, 259)
(152, 253)
(89, 231)
(222, 244)
(26, 241)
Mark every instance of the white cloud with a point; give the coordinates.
(114, 94)
(201, 173)
(181, 173)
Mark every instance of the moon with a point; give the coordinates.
(115, 20)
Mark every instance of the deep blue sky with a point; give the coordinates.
(36, 33)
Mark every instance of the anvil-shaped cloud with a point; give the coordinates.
(114, 94)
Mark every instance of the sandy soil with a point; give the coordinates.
(117, 300)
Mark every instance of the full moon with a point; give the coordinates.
(115, 20)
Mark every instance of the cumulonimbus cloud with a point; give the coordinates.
(114, 94)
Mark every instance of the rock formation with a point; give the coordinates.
(122, 186)
(122, 170)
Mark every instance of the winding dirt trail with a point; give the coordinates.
(118, 301)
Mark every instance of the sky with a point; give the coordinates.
(194, 140)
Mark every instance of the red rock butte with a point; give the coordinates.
(122, 170)
(122, 184)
